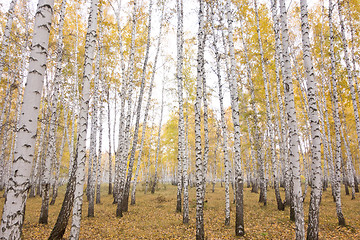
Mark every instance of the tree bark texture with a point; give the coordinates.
(239, 219)
(19, 181)
(90, 46)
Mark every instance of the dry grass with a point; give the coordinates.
(154, 217)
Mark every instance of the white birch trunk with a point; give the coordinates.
(138, 114)
(281, 120)
(4, 145)
(206, 128)
(147, 108)
(19, 181)
(122, 194)
(239, 223)
(92, 162)
(51, 153)
(292, 122)
(349, 167)
(148, 161)
(110, 190)
(122, 109)
(185, 173)
(99, 156)
(223, 123)
(259, 165)
(353, 56)
(349, 72)
(263, 196)
(75, 92)
(200, 232)
(59, 159)
(334, 94)
(158, 140)
(90, 45)
(327, 134)
(6, 37)
(316, 171)
(179, 76)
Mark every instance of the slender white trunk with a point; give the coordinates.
(92, 161)
(292, 122)
(334, 97)
(200, 232)
(122, 109)
(353, 56)
(137, 114)
(6, 37)
(355, 73)
(349, 72)
(99, 156)
(75, 92)
(179, 76)
(263, 196)
(147, 108)
(51, 153)
(158, 140)
(256, 140)
(90, 45)
(148, 160)
(59, 159)
(316, 171)
(239, 223)
(5, 142)
(101, 85)
(206, 128)
(349, 167)
(186, 174)
(109, 133)
(122, 203)
(281, 120)
(223, 123)
(19, 181)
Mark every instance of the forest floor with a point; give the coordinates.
(154, 217)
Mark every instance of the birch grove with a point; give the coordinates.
(232, 110)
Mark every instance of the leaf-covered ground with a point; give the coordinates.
(154, 217)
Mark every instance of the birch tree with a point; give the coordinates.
(223, 123)
(239, 222)
(110, 190)
(200, 232)
(281, 119)
(59, 159)
(334, 98)
(186, 217)
(90, 45)
(158, 141)
(138, 109)
(51, 153)
(122, 203)
(19, 181)
(316, 182)
(92, 161)
(256, 151)
(179, 76)
(349, 71)
(147, 108)
(263, 197)
(6, 36)
(293, 131)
